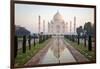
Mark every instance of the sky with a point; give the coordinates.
(27, 15)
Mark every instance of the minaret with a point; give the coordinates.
(43, 26)
(70, 27)
(66, 27)
(51, 25)
(39, 25)
(74, 24)
(48, 27)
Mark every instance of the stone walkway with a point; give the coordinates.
(76, 54)
(57, 51)
(35, 59)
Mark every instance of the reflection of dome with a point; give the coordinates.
(58, 17)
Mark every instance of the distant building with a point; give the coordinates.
(21, 31)
(57, 25)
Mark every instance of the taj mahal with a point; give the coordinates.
(57, 25)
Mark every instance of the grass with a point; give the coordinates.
(22, 58)
(83, 50)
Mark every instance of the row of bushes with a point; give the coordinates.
(42, 38)
(76, 38)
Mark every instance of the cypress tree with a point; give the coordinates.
(29, 42)
(89, 43)
(15, 46)
(24, 44)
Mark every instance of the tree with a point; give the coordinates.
(29, 42)
(89, 30)
(79, 30)
(84, 36)
(15, 46)
(34, 38)
(93, 30)
(24, 44)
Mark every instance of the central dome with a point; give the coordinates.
(58, 17)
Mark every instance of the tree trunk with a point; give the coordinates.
(78, 40)
(73, 38)
(89, 43)
(39, 39)
(24, 44)
(15, 46)
(34, 40)
(29, 42)
(85, 41)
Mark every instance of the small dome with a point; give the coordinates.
(58, 17)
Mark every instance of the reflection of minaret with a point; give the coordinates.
(43, 26)
(74, 24)
(70, 27)
(39, 25)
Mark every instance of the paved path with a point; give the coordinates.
(35, 59)
(57, 51)
(77, 55)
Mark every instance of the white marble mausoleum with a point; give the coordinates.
(57, 25)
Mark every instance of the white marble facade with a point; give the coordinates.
(57, 25)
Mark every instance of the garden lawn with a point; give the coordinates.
(83, 50)
(22, 58)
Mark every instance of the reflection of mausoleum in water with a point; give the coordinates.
(57, 25)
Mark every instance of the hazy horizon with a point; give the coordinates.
(27, 15)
